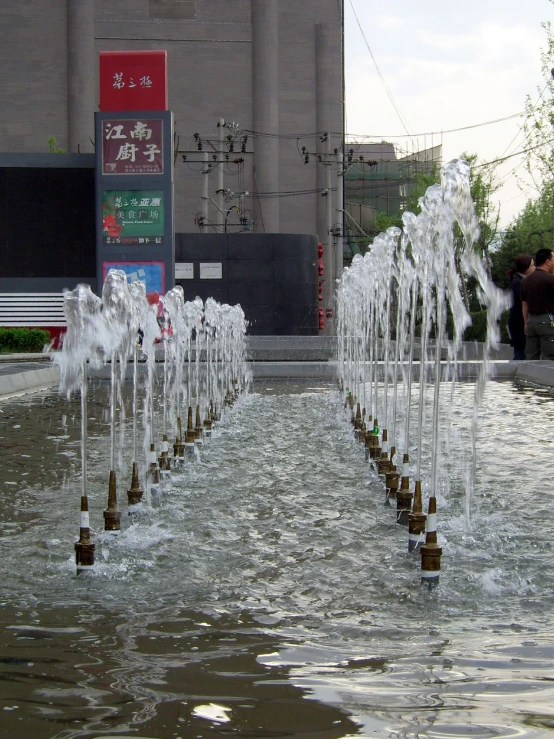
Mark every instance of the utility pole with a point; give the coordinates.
(329, 240)
(217, 156)
(220, 217)
(205, 192)
(340, 214)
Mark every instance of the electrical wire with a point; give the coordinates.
(510, 156)
(402, 118)
(355, 138)
(437, 133)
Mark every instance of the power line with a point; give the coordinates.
(401, 117)
(384, 136)
(515, 154)
(438, 133)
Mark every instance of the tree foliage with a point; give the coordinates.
(539, 119)
(532, 228)
(530, 231)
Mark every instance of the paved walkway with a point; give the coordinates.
(24, 376)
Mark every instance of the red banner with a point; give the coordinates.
(133, 80)
(132, 146)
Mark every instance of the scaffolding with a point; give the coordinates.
(382, 180)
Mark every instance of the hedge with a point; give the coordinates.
(21, 340)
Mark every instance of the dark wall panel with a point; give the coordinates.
(201, 247)
(250, 246)
(216, 289)
(251, 270)
(273, 277)
(295, 271)
(251, 293)
(46, 222)
(48, 242)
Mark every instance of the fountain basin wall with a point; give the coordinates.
(30, 372)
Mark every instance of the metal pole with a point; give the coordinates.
(340, 214)
(329, 240)
(205, 191)
(220, 218)
(84, 417)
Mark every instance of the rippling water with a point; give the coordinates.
(269, 592)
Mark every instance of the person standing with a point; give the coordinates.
(537, 303)
(524, 265)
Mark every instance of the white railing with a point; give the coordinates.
(32, 309)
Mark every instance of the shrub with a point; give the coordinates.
(478, 329)
(21, 340)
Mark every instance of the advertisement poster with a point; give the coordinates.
(151, 273)
(132, 146)
(132, 217)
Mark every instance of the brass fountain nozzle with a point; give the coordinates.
(416, 521)
(153, 476)
(164, 460)
(135, 492)
(179, 447)
(404, 497)
(383, 462)
(430, 551)
(84, 548)
(199, 430)
(112, 517)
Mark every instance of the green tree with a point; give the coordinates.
(539, 143)
(538, 124)
(529, 231)
(483, 186)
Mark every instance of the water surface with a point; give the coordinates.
(270, 592)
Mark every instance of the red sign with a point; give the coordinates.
(133, 80)
(132, 146)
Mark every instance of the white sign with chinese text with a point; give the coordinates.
(211, 270)
(184, 270)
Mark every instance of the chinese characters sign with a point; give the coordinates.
(132, 217)
(133, 80)
(132, 146)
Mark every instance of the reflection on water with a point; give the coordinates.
(270, 592)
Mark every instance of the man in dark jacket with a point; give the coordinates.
(537, 303)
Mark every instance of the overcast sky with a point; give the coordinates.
(448, 64)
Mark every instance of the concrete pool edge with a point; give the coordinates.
(31, 373)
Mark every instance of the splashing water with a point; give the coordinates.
(413, 282)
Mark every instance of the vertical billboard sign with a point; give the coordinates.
(132, 146)
(133, 80)
(134, 170)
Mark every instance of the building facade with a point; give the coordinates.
(267, 74)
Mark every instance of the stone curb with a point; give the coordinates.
(22, 376)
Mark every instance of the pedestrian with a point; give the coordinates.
(537, 303)
(524, 265)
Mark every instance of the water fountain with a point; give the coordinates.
(265, 589)
(426, 266)
(115, 329)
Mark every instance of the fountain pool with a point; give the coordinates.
(270, 592)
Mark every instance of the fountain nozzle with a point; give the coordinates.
(416, 521)
(84, 548)
(135, 492)
(404, 496)
(112, 516)
(430, 551)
